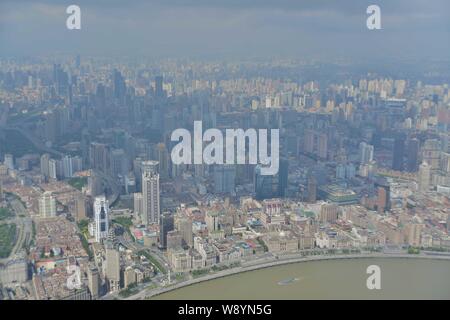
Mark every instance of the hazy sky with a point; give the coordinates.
(177, 28)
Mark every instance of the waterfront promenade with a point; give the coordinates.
(283, 260)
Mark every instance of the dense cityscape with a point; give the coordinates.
(89, 192)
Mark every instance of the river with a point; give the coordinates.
(330, 279)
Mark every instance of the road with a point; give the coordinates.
(24, 226)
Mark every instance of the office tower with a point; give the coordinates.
(67, 166)
(149, 166)
(119, 86)
(212, 221)
(322, 146)
(266, 186)
(159, 91)
(398, 154)
(150, 197)
(365, 153)
(184, 225)
(383, 195)
(424, 177)
(312, 189)
(94, 282)
(166, 224)
(101, 217)
(413, 155)
(224, 178)
(99, 157)
(44, 163)
(283, 177)
(118, 163)
(138, 204)
(431, 153)
(94, 184)
(112, 267)
(163, 159)
(174, 240)
(47, 205)
(9, 161)
(328, 213)
(308, 142)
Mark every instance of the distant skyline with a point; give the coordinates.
(228, 28)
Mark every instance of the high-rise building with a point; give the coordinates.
(413, 155)
(138, 204)
(166, 224)
(184, 226)
(322, 146)
(93, 282)
(283, 177)
(163, 160)
(99, 157)
(224, 178)
(365, 153)
(9, 161)
(47, 205)
(112, 267)
(101, 217)
(312, 189)
(212, 221)
(67, 166)
(150, 198)
(159, 91)
(119, 86)
(424, 177)
(44, 162)
(448, 224)
(53, 169)
(118, 163)
(398, 154)
(266, 186)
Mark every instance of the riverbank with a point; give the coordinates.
(278, 262)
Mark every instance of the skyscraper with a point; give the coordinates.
(413, 155)
(159, 91)
(44, 162)
(283, 177)
(266, 186)
(424, 177)
(47, 205)
(93, 282)
(166, 224)
(119, 86)
(224, 178)
(9, 161)
(312, 189)
(112, 267)
(398, 153)
(101, 217)
(365, 153)
(150, 197)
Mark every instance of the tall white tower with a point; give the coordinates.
(101, 216)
